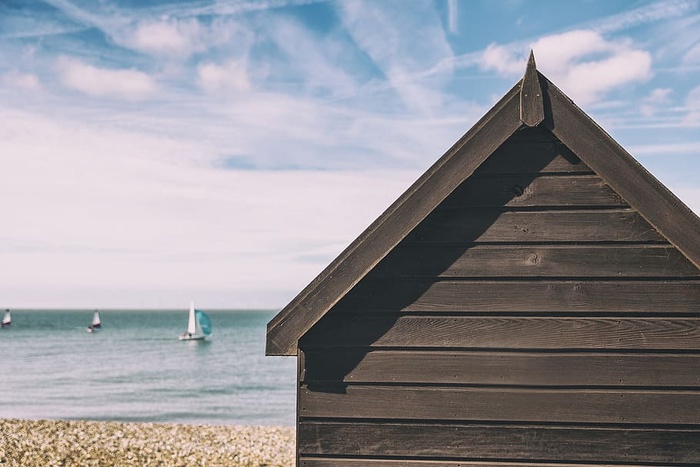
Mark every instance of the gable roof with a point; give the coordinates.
(534, 100)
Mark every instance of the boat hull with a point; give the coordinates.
(185, 337)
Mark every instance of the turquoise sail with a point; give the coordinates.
(204, 321)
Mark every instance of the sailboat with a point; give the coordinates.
(96, 323)
(198, 326)
(6, 320)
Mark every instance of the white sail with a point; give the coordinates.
(96, 323)
(192, 323)
(7, 319)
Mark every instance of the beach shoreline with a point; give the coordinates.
(106, 443)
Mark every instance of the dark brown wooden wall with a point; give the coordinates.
(533, 318)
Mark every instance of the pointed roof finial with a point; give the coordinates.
(531, 99)
(531, 60)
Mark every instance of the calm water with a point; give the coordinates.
(135, 369)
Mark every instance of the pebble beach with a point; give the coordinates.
(30, 443)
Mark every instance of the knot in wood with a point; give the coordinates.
(533, 259)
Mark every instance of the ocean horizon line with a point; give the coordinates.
(136, 309)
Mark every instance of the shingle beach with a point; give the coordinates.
(82, 443)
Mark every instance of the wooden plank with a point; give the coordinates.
(456, 165)
(505, 332)
(502, 368)
(501, 404)
(540, 158)
(677, 296)
(634, 183)
(483, 225)
(378, 462)
(527, 191)
(532, 151)
(565, 261)
(501, 442)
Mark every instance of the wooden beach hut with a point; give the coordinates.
(532, 299)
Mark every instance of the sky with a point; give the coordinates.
(225, 151)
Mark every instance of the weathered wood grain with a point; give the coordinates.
(502, 404)
(532, 151)
(414, 260)
(378, 462)
(527, 191)
(657, 296)
(506, 332)
(541, 158)
(460, 225)
(634, 183)
(502, 368)
(502, 443)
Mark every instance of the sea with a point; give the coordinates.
(135, 369)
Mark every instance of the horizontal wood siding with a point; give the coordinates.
(529, 191)
(509, 332)
(415, 260)
(521, 442)
(538, 296)
(379, 462)
(464, 226)
(505, 368)
(533, 318)
(576, 406)
(532, 151)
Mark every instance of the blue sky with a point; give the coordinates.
(226, 151)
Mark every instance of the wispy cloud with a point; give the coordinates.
(182, 37)
(103, 82)
(318, 62)
(666, 149)
(230, 76)
(452, 16)
(581, 61)
(26, 20)
(657, 99)
(386, 33)
(26, 81)
(651, 13)
(692, 103)
(226, 7)
(168, 37)
(692, 56)
(97, 19)
(674, 41)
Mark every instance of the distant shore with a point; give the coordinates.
(86, 443)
